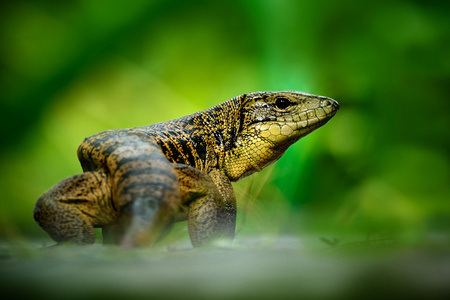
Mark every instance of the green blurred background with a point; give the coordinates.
(378, 171)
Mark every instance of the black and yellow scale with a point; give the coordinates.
(137, 182)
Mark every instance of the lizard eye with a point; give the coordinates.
(282, 103)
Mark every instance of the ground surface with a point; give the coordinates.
(279, 268)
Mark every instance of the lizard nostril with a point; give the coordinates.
(330, 102)
(325, 103)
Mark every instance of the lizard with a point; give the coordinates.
(137, 182)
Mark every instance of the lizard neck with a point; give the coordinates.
(219, 125)
(202, 139)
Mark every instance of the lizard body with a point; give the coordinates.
(137, 182)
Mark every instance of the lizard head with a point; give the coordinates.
(269, 123)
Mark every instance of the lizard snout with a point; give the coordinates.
(330, 102)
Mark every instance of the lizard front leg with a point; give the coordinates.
(211, 205)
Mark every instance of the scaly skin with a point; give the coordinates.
(137, 182)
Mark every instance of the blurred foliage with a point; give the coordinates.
(379, 170)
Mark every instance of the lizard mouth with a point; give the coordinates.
(312, 119)
(294, 127)
(304, 118)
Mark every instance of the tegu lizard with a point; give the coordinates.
(137, 182)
